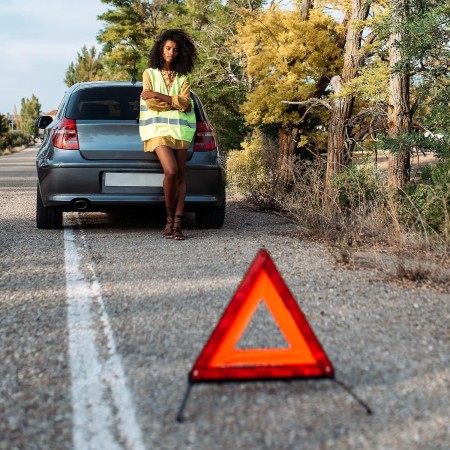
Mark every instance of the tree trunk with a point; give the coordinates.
(288, 140)
(304, 8)
(399, 111)
(287, 145)
(338, 151)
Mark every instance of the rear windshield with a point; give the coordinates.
(110, 103)
(105, 103)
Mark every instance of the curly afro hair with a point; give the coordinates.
(187, 53)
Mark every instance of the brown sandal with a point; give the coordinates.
(168, 230)
(177, 233)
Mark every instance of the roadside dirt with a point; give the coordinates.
(381, 161)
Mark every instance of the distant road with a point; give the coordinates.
(101, 322)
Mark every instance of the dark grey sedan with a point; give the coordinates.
(92, 158)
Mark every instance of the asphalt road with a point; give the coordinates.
(101, 322)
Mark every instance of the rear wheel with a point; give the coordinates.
(211, 216)
(47, 217)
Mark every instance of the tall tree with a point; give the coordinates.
(305, 6)
(131, 27)
(17, 118)
(287, 57)
(87, 67)
(339, 129)
(30, 109)
(399, 112)
(219, 77)
(419, 54)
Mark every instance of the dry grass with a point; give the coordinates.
(406, 267)
(357, 216)
(10, 150)
(416, 274)
(354, 211)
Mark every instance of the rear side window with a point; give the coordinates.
(105, 103)
(61, 106)
(198, 108)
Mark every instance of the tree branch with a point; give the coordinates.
(310, 102)
(370, 38)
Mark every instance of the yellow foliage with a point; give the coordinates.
(372, 83)
(285, 58)
(251, 172)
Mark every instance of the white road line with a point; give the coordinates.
(103, 412)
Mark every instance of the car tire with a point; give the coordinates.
(211, 217)
(47, 217)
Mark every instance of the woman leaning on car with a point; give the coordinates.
(167, 120)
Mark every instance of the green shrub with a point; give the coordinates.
(425, 172)
(252, 172)
(358, 206)
(18, 138)
(427, 204)
(4, 141)
(14, 139)
(358, 187)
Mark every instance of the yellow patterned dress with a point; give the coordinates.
(180, 102)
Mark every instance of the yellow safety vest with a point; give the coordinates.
(177, 124)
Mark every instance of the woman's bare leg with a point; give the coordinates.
(170, 166)
(180, 156)
(173, 163)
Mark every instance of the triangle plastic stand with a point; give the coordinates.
(304, 357)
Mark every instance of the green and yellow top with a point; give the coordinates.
(180, 102)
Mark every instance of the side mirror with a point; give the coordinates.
(43, 121)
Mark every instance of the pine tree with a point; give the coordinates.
(30, 109)
(419, 57)
(399, 109)
(87, 67)
(131, 27)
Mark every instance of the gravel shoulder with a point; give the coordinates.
(390, 343)
(164, 298)
(34, 377)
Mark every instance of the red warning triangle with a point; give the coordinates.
(304, 356)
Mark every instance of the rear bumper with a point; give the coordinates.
(126, 199)
(63, 181)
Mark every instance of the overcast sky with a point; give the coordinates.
(38, 41)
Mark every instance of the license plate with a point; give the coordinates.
(134, 179)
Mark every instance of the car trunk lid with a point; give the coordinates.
(107, 122)
(102, 139)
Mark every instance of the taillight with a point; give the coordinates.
(204, 138)
(65, 135)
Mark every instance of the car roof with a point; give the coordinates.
(89, 84)
(92, 84)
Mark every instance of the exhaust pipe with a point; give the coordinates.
(80, 204)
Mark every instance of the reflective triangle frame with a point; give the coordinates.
(220, 360)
